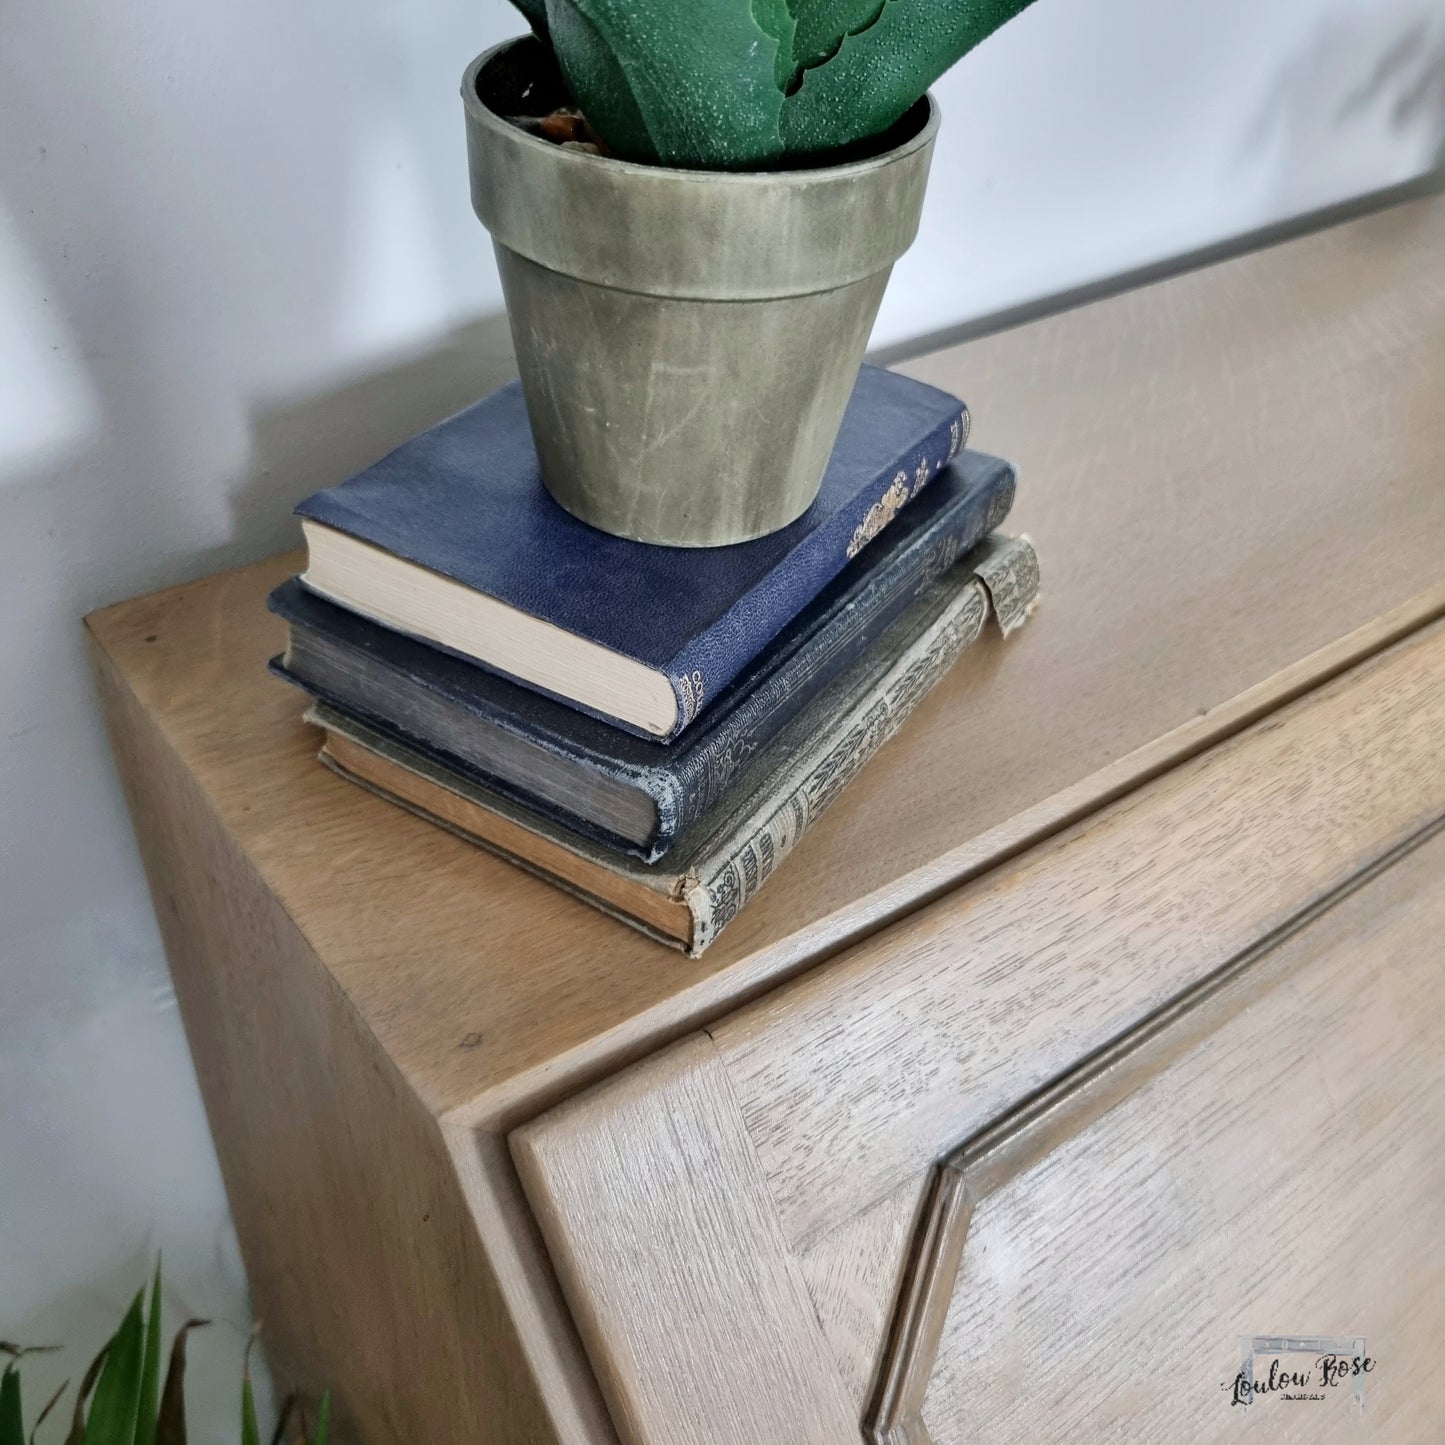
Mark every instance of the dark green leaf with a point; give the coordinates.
(44, 1415)
(171, 1418)
(775, 18)
(12, 1418)
(117, 1393)
(77, 1427)
(323, 1420)
(250, 1430)
(536, 13)
(597, 82)
(703, 83)
(880, 72)
(822, 24)
(150, 1374)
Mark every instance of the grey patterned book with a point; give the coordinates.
(723, 860)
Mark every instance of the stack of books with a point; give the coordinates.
(651, 728)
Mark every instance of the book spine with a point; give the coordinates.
(491, 845)
(704, 775)
(744, 863)
(709, 663)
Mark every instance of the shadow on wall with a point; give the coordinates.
(1408, 83)
(317, 440)
(222, 215)
(1344, 85)
(237, 263)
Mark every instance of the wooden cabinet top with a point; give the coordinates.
(1236, 482)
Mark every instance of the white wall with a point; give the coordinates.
(237, 262)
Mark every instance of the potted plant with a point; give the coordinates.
(695, 206)
(121, 1400)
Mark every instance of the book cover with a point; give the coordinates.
(628, 792)
(465, 500)
(722, 862)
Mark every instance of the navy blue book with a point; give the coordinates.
(629, 793)
(453, 539)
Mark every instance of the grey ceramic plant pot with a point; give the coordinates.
(687, 340)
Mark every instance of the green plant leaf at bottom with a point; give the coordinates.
(250, 1430)
(878, 73)
(12, 1418)
(116, 1404)
(323, 1420)
(150, 1375)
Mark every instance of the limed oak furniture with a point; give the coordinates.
(1099, 1024)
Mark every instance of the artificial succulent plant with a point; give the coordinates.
(720, 84)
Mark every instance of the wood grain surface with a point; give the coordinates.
(660, 1203)
(854, 1275)
(1233, 478)
(1285, 1176)
(1234, 481)
(364, 1254)
(853, 1082)
(866, 1071)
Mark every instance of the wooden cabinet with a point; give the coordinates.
(1090, 1090)
(1270, 1154)
(1101, 1023)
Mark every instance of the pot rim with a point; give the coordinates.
(483, 114)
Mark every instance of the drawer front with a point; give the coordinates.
(1264, 1162)
(924, 1192)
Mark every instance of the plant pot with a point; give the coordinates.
(687, 340)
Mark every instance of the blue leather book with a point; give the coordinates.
(453, 539)
(628, 793)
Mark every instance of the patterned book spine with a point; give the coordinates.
(711, 662)
(1009, 570)
(705, 774)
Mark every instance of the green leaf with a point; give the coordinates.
(12, 1418)
(702, 83)
(881, 71)
(77, 1426)
(171, 1418)
(536, 13)
(323, 1420)
(250, 1430)
(12, 1414)
(597, 82)
(775, 18)
(150, 1375)
(822, 25)
(117, 1394)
